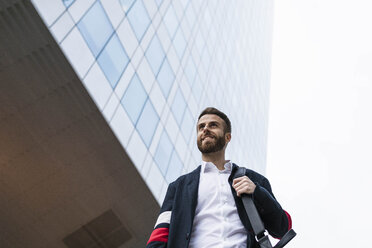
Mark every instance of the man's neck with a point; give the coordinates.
(217, 158)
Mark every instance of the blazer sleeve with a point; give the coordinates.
(277, 221)
(159, 236)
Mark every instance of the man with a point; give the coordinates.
(203, 209)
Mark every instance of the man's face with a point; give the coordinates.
(211, 134)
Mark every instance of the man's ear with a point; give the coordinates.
(227, 137)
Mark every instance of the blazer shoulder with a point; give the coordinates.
(188, 176)
(253, 175)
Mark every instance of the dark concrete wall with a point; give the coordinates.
(60, 164)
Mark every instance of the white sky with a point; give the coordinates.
(320, 123)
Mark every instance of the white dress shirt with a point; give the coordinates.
(216, 222)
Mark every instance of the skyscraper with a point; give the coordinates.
(128, 78)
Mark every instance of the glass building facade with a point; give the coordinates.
(151, 66)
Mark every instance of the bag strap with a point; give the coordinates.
(256, 222)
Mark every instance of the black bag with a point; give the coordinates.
(256, 222)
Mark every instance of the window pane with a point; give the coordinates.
(126, 4)
(179, 43)
(67, 3)
(113, 60)
(174, 168)
(197, 89)
(147, 123)
(187, 125)
(158, 2)
(134, 98)
(163, 152)
(95, 28)
(170, 20)
(190, 71)
(206, 59)
(166, 78)
(178, 106)
(155, 55)
(139, 19)
(190, 15)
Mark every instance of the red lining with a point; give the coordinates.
(289, 220)
(159, 234)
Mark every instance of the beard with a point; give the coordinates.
(215, 145)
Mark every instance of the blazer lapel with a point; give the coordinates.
(192, 189)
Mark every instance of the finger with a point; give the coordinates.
(239, 184)
(243, 189)
(236, 180)
(244, 181)
(246, 187)
(239, 179)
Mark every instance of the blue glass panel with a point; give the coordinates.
(147, 123)
(178, 106)
(197, 89)
(174, 168)
(206, 60)
(139, 19)
(179, 43)
(155, 55)
(166, 78)
(190, 71)
(163, 152)
(95, 28)
(67, 3)
(200, 43)
(170, 20)
(113, 60)
(190, 14)
(158, 2)
(126, 4)
(134, 98)
(187, 125)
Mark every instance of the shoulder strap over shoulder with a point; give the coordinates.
(256, 222)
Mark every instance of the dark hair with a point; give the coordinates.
(214, 111)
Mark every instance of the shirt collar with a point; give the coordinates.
(209, 166)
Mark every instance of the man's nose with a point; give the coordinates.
(205, 129)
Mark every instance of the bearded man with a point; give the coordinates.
(203, 209)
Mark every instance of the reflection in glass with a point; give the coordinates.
(174, 168)
(170, 21)
(158, 2)
(155, 55)
(126, 4)
(67, 3)
(139, 19)
(113, 60)
(179, 43)
(197, 89)
(95, 28)
(147, 123)
(163, 152)
(187, 125)
(178, 106)
(190, 71)
(166, 78)
(134, 98)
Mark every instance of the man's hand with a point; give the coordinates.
(243, 185)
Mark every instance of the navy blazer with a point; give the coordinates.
(175, 221)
